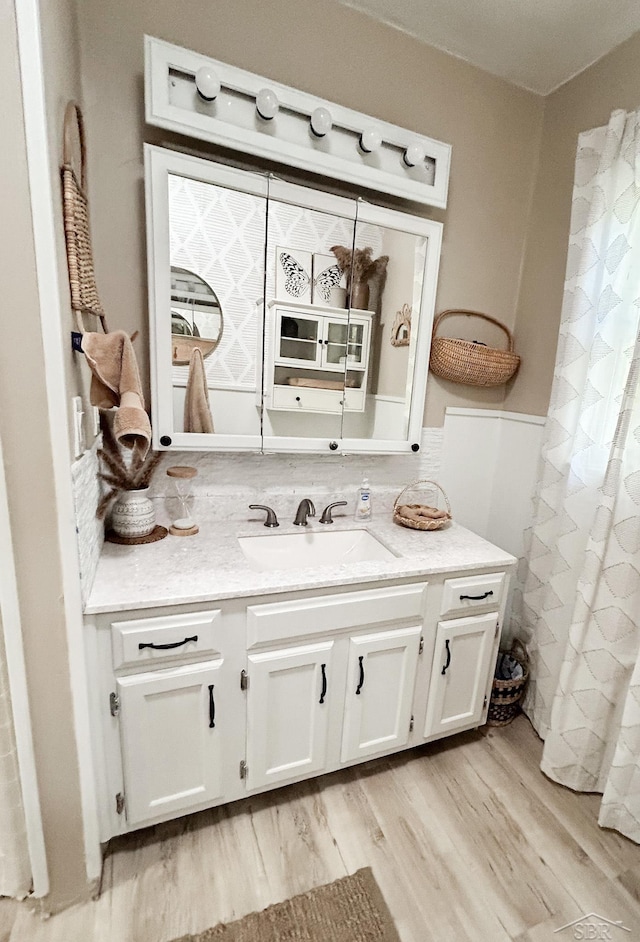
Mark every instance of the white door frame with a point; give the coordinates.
(43, 201)
(9, 608)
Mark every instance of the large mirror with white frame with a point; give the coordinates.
(320, 309)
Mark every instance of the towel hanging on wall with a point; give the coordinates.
(116, 382)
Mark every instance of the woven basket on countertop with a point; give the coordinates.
(417, 516)
(506, 695)
(471, 362)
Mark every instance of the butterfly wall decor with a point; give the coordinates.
(328, 281)
(293, 274)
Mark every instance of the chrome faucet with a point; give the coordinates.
(305, 509)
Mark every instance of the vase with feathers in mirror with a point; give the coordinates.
(362, 270)
(127, 476)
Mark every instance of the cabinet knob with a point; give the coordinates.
(297, 398)
(415, 447)
(165, 440)
(333, 446)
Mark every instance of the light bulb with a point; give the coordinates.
(207, 83)
(321, 122)
(370, 140)
(267, 104)
(414, 155)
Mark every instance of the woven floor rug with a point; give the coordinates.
(350, 910)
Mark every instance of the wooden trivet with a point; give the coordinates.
(184, 531)
(158, 533)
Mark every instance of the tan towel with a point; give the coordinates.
(197, 414)
(116, 382)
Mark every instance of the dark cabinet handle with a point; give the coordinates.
(323, 693)
(477, 598)
(212, 708)
(165, 440)
(361, 681)
(166, 647)
(446, 644)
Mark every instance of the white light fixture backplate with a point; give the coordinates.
(172, 102)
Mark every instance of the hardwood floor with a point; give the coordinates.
(468, 841)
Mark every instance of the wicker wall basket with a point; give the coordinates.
(471, 362)
(82, 280)
(421, 516)
(507, 695)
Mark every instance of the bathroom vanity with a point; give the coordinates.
(215, 676)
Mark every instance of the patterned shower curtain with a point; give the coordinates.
(581, 596)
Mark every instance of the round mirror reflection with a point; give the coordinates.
(196, 316)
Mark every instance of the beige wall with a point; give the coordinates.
(586, 102)
(339, 54)
(27, 446)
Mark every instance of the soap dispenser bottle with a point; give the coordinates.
(363, 501)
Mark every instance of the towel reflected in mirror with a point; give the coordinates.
(197, 412)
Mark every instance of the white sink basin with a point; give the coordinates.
(311, 548)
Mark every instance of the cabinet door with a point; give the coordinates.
(299, 340)
(171, 729)
(288, 708)
(463, 660)
(380, 680)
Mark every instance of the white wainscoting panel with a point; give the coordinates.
(489, 468)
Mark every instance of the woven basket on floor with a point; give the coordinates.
(506, 695)
(82, 279)
(471, 362)
(416, 516)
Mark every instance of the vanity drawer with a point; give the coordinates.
(472, 593)
(310, 399)
(282, 621)
(148, 641)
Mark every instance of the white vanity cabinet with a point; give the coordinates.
(465, 653)
(172, 748)
(287, 713)
(341, 698)
(198, 705)
(381, 673)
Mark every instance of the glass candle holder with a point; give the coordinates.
(182, 480)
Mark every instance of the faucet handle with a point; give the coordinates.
(326, 513)
(272, 520)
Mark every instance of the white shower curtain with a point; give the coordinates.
(15, 868)
(581, 597)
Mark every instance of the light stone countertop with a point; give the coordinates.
(211, 566)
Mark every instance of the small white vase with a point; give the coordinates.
(133, 514)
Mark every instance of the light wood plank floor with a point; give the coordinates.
(468, 841)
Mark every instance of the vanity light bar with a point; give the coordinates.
(212, 101)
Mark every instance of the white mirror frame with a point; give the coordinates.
(159, 163)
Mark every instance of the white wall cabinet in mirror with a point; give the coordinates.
(273, 308)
